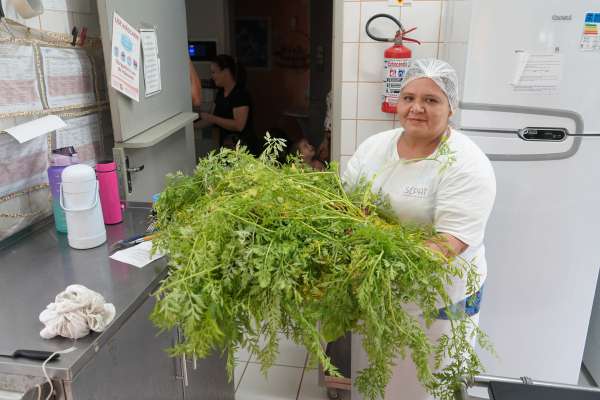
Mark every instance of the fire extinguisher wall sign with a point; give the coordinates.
(396, 62)
(393, 74)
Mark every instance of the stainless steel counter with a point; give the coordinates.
(36, 268)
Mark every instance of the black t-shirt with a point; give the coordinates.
(224, 106)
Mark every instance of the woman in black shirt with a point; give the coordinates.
(233, 106)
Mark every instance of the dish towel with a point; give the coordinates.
(75, 312)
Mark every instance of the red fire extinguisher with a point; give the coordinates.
(396, 61)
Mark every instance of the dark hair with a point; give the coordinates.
(224, 61)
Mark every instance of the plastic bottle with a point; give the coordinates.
(80, 199)
(106, 173)
(60, 159)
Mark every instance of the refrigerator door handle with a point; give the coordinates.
(572, 115)
(529, 133)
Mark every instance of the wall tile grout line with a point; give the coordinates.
(437, 54)
(360, 10)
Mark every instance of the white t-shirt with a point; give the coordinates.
(456, 200)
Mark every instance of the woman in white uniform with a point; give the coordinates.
(456, 199)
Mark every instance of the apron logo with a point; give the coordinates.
(416, 191)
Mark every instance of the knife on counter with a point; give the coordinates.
(38, 355)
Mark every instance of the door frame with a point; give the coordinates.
(336, 80)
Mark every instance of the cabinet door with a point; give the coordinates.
(206, 379)
(133, 364)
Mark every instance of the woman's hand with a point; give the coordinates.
(210, 118)
(237, 124)
(448, 245)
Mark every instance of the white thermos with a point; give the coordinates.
(80, 199)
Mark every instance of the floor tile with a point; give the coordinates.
(290, 354)
(310, 389)
(281, 383)
(243, 355)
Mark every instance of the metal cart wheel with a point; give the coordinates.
(333, 394)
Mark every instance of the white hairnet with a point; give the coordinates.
(438, 71)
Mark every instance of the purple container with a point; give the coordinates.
(58, 163)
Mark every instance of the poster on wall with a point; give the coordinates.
(18, 80)
(68, 77)
(253, 42)
(125, 64)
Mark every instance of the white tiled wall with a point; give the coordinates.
(61, 16)
(442, 27)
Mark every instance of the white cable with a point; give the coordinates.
(65, 351)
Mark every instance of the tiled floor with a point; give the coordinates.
(289, 379)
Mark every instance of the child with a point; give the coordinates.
(307, 153)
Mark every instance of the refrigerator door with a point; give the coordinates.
(502, 38)
(541, 238)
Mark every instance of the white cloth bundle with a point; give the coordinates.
(75, 312)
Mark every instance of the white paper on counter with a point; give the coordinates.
(138, 255)
(152, 78)
(38, 127)
(125, 58)
(67, 77)
(18, 80)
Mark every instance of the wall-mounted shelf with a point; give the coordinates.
(159, 132)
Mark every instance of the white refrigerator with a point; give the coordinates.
(532, 102)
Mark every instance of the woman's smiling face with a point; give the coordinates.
(423, 109)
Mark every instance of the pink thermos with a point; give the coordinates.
(108, 182)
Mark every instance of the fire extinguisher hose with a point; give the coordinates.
(400, 35)
(376, 16)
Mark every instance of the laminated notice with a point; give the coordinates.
(18, 80)
(68, 77)
(152, 79)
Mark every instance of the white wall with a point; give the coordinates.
(61, 16)
(442, 27)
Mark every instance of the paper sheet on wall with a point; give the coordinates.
(35, 128)
(79, 131)
(68, 77)
(85, 134)
(138, 255)
(18, 82)
(152, 79)
(125, 71)
(537, 72)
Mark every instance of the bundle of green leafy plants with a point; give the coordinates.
(257, 248)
